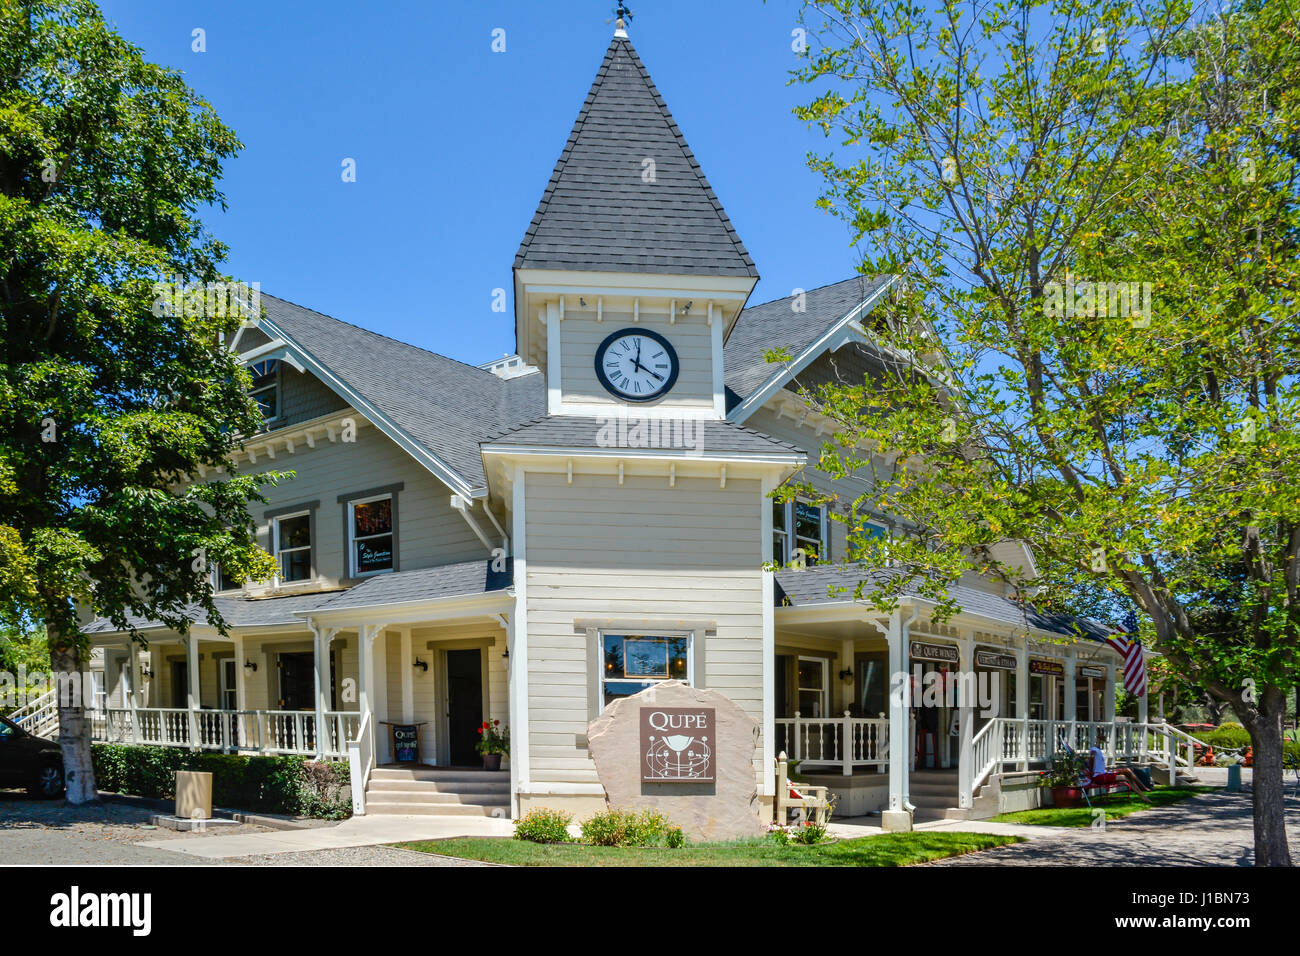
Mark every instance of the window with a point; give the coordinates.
(221, 581)
(370, 533)
(798, 525)
(812, 687)
(292, 541)
(266, 387)
(634, 662)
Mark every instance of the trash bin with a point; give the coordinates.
(1234, 778)
(193, 795)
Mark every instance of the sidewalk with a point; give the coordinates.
(358, 831)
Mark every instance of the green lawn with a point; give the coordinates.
(1116, 806)
(888, 849)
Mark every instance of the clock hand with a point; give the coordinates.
(644, 369)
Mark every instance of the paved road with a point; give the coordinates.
(1213, 829)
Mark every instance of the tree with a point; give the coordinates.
(110, 396)
(1094, 205)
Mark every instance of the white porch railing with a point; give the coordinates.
(39, 716)
(1008, 740)
(230, 731)
(845, 742)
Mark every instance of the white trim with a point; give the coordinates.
(554, 361)
(766, 784)
(825, 690)
(719, 374)
(840, 333)
(792, 460)
(276, 550)
(518, 695)
(635, 631)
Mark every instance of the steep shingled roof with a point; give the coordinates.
(776, 324)
(598, 212)
(446, 406)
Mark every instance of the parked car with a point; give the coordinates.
(29, 761)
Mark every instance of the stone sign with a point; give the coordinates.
(685, 752)
(675, 744)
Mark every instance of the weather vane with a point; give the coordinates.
(623, 14)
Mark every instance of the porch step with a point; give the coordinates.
(437, 810)
(438, 791)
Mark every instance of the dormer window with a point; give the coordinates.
(266, 387)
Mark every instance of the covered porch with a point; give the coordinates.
(982, 695)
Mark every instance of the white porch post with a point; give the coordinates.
(846, 663)
(323, 675)
(897, 817)
(1143, 717)
(407, 670)
(133, 660)
(966, 688)
(1022, 699)
(1071, 698)
(193, 690)
(241, 679)
(379, 695)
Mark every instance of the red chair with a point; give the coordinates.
(922, 750)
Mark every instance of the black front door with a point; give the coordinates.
(464, 705)
(297, 682)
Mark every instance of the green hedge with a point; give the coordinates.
(286, 784)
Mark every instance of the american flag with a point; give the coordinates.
(1127, 643)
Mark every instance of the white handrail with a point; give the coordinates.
(361, 760)
(846, 742)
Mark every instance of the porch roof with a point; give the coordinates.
(834, 584)
(465, 579)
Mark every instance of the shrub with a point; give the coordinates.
(286, 784)
(628, 828)
(544, 826)
(1228, 735)
(810, 833)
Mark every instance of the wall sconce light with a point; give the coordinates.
(505, 655)
(846, 675)
(423, 665)
(146, 672)
(250, 666)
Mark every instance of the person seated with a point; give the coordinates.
(1096, 774)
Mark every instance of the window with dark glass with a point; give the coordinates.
(371, 531)
(634, 662)
(293, 547)
(266, 387)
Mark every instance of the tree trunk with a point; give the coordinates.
(1271, 847)
(74, 729)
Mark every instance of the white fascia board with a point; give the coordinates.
(277, 348)
(791, 460)
(841, 332)
(435, 465)
(431, 609)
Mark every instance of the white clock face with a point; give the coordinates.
(636, 365)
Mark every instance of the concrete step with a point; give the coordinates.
(441, 774)
(437, 810)
(436, 786)
(424, 796)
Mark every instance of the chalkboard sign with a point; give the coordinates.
(406, 743)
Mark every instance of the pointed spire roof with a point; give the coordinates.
(608, 209)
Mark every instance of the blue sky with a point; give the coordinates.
(454, 143)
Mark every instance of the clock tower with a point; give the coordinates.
(630, 274)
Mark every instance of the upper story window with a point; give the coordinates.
(370, 535)
(798, 525)
(634, 662)
(266, 387)
(291, 539)
(222, 581)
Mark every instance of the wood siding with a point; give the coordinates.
(642, 552)
(691, 338)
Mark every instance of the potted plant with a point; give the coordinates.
(1065, 777)
(493, 743)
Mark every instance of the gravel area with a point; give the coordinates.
(355, 856)
(53, 831)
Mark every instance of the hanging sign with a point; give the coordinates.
(934, 652)
(1055, 668)
(993, 659)
(1095, 672)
